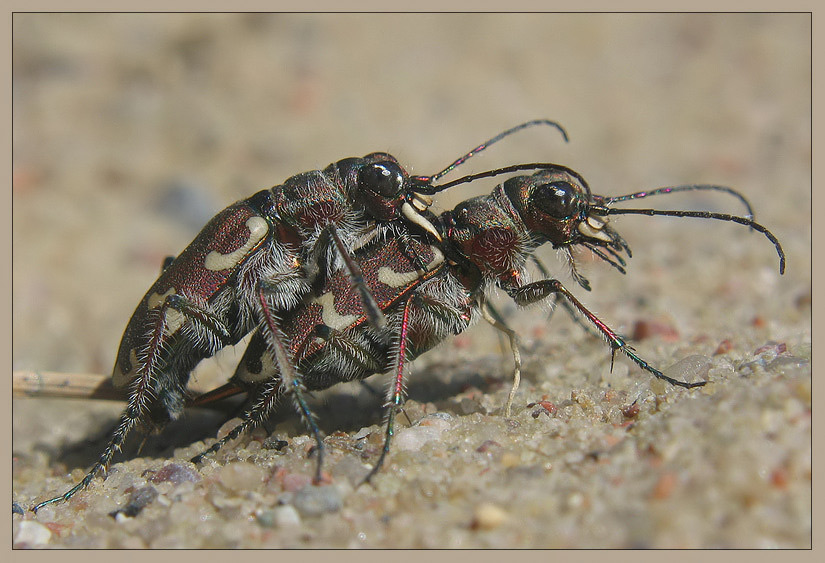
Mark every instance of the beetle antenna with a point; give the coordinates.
(682, 188)
(429, 189)
(485, 144)
(601, 210)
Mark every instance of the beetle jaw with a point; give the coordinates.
(595, 228)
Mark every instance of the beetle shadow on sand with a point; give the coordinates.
(346, 407)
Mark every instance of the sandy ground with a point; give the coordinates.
(130, 131)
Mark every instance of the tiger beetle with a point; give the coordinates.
(260, 259)
(344, 272)
(484, 243)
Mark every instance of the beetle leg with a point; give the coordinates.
(142, 359)
(200, 317)
(375, 316)
(225, 391)
(316, 267)
(345, 350)
(396, 397)
(536, 291)
(170, 317)
(128, 420)
(144, 384)
(408, 250)
(281, 378)
(574, 314)
(268, 398)
(581, 280)
(514, 347)
(291, 380)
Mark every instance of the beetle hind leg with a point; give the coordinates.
(490, 316)
(128, 420)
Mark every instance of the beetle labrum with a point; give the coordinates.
(430, 280)
(256, 259)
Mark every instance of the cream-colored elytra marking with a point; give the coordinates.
(156, 299)
(391, 278)
(216, 261)
(120, 379)
(330, 316)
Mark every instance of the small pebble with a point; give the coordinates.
(293, 482)
(782, 364)
(488, 516)
(647, 329)
(241, 476)
(363, 433)
(487, 445)
(315, 501)
(351, 469)
(32, 533)
(176, 473)
(665, 485)
(412, 439)
(139, 499)
(510, 460)
(280, 517)
(440, 420)
(280, 446)
(630, 411)
(691, 369)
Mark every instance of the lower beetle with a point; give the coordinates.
(483, 243)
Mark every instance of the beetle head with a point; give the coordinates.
(556, 206)
(383, 188)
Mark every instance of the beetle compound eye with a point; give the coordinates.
(557, 199)
(382, 178)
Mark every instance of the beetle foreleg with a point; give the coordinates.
(329, 235)
(141, 356)
(536, 291)
(581, 280)
(145, 383)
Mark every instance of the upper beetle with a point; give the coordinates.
(253, 260)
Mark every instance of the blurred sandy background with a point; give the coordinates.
(131, 131)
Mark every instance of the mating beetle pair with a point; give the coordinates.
(344, 272)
